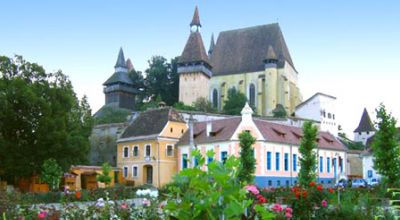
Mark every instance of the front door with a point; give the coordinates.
(149, 174)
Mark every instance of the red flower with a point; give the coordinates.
(319, 187)
(261, 199)
(304, 194)
(312, 183)
(331, 190)
(78, 195)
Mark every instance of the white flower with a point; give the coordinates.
(154, 194)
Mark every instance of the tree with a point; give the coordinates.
(386, 150)
(163, 80)
(51, 173)
(235, 102)
(104, 177)
(308, 160)
(203, 105)
(247, 160)
(279, 111)
(40, 118)
(109, 115)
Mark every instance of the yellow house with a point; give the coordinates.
(147, 151)
(85, 177)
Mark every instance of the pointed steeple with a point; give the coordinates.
(271, 55)
(120, 60)
(365, 123)
(212, 45)
(196, 18)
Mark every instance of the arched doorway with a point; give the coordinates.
(148, 174)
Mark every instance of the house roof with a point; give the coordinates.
(194, 50)
(315, 95)
(244, 50)
(151, 122)
(365, 123)
(224, 129)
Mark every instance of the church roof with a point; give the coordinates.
(365, 123)
(151, 122)
(196, 18)
(244, 50)
(271, 55)
(119, 77)
(194, 50)
(120, 59)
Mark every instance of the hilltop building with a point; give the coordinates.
(253, 60)
(365, 129)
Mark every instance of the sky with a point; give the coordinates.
(347, 49)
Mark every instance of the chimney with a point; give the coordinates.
(190, 122)
(209, 128)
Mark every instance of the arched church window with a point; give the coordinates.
(252, 95)
(215, 98)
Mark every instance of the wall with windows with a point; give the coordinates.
(368, 168)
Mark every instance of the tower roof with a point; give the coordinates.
(120, 59)
(194, 50)
(271, 54)
(212, 45)
(365, 123)
(196, 18)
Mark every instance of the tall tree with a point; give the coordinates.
(385, 148)
(247, 160)
(40, 117)
(308, 160)
(235, 102)
(51, 173)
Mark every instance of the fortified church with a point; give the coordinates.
(253, 60)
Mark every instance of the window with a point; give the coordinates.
(367, 132)
(277, 157)
(269, 183)
(278, 183)
(134, 171)
(126, 152)
(148, 151)
(125, 173)
(287, 183)
(170, 150)
(215, 99)
(182, 131)
(171, 130)
(184, 161)
(295, 182)
(329, 115)
(268, 160)
(224, 156)
(333, 116)
(135, 151)
(294, 162)
(321, 164)
(328, 165)
(286, 161)
(209, 160)
(252, 95)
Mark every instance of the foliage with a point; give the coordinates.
(247, 160)
(235, 102)
(182, 106)
(51, 173)
(385, 148)
(197, 194)
(105, 177)
(103, 148)
(203, 105)
(41, 117)
(162, 79)
(153, 103)
(110, 115)
(308, 160)
(279, 111)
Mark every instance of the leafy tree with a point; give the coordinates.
(235, 102)
(163, 80)
(105, 177)
(182, 106)
(385, 148)
(279, 111)
(203, 105)
(51, 173)
(40, 118)
(103, 148)
(112, 115)
(247, 160)
(139, 83)
(308, 160)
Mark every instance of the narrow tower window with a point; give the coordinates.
(215, 98)
(252, 95)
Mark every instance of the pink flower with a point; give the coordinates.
(277, 207)
(288, 215)
(324, 203)
(42, 214)
(146, 202)
(124, 206)
(289, 210)
(253, 189)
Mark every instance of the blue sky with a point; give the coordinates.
(348, 49)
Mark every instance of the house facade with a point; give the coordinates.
(146, 151)
(276, 148)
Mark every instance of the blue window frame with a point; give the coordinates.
(209, 160)
(369, 173)
(268, 160)
(184, 161)
(321, 164)
(277, 158)
(294, 162)
(224, 156)
(328, 165)
(286, 161)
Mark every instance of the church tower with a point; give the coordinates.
(271, 72)
(365, 129)
(119, 89)
(194, 66)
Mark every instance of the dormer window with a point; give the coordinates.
(171, 130)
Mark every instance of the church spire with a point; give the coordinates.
(212, 45)
(195, 24)
(365, 123)
(120, 66)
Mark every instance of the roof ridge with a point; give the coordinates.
(252, 27)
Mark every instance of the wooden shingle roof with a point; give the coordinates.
(365, 123)
(194, 50)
